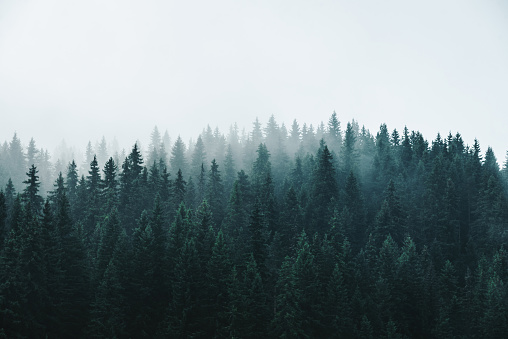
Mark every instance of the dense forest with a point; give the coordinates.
(278, 232)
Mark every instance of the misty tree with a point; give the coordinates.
(388, 236)
(178, 160)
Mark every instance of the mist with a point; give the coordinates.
(80, 71)
(255, 169)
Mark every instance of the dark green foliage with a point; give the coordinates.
(287, 321)
(215, 193)
(324, 191)
(178, 188)
(385, 236)
(30, 195)
(3, 219)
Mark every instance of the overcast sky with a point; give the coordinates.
(83, 69)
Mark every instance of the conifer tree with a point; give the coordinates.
(294, 138)
(323, 191)
(288, 318)
(102, 152)
(74, 297)
(254, 317)
(16, 162)
(154, 148)
(349, 149)
(3, 219)
(110, 184)
(229, 170)
(71, 182)
(218, 275)
(177, 159)
(32, 153)
(10, 194)
(334, 135)
(215, 193)
(30, 195)
(198, 157)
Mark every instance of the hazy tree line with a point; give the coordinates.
(278, 232)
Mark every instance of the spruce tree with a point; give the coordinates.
(30, 194)
(215, 193)
(177, 159)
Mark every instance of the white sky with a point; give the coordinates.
(82, 69)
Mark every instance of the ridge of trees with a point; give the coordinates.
(306, 232)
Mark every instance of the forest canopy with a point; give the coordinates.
(298, 231)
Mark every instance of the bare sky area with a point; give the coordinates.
(78, 70)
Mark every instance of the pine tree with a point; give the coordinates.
(110, 184)
(74, 297)
(89, 154)
(349, 149)
(71, 181)
(324, 191)
(16, 162)
(3, 220)
(178, 190)
(59, 190)
(338, 306)
(32, 153)
(198, 157)
(155, 146)
(257, 241)
(10, 194)
(215, 193)
(294, 138)
(135, 163)
(102, 152)
(177, 159)
(218, 275)
(288, 318)
(261, 167)
(389, 219)
(109, 233)
(254, 311)
(30, 194)
(229, 170)
(334, 135)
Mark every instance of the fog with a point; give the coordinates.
(82, 70)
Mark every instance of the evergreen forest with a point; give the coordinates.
(304, 231)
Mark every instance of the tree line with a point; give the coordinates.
(273, 233)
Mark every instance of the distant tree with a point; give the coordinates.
(102, 152)
(349, 149)
(334, 135)
(294, 138)
(261, 167)
(16, 162)
(155, 146)
(198, 158)
(89, 153)
(177, 159)
(272, 133)
(32, 153)
(229, 170)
